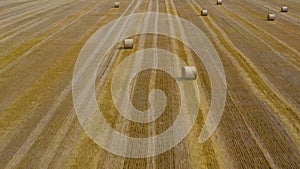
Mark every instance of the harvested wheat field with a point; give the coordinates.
(45, 45)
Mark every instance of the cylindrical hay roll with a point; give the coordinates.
(219, 2)
(271, 17)
(204, 12)
(128, 43)
(284, 9)
(189, 72)
(117, 4)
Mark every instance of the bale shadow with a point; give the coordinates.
(180, 79)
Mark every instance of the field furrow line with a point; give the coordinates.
(34, 21)
(16, 18)
(22, 27)
(26, 25)
(56, 146)
(5, 3)
(53, 147)
(37, 131)
(42, 60)
(256, 138)
(268, 74)
(208, 156)
(119, 124)
(28, 47)
(151, 161)
(277, 45)
(66, 90)
(275, 100)
(19, 8)
(290, 16)
(281, 29)
(250, 120)
(27, 92)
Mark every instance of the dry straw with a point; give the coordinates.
(204, 12)
(128, 43)
(189, 72)
(284, 9)
(117, 4)
(271, 17)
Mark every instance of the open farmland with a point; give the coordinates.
(41, 40)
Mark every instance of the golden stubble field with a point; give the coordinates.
(41, 40)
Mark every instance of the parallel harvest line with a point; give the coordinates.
(68, 88)
(16, 5)
(19, 8)
(221, 42)
(16, 18)
(153, 81)
(181, 150)
(34, 34)
(23, 26)
(290, 16)
(14, 105)
(39, 128)
(257, 13)
(276, 44)
(202, 154)
(25, 49)
(8, 2)
(246, 62)
(274, 99)
(55, 145)
(43, 123)
(119, 125)
(110, 61)
(280, 49)
(189, 59)
(256, 137)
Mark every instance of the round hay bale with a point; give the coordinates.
(284, 9)
(117, 4)
(128, 43)
(219, 2)
(204, 12)
(189, 72)
(271, 17)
